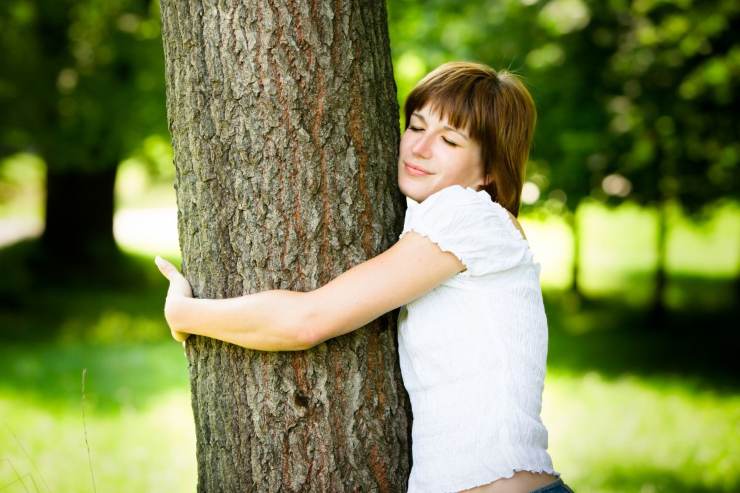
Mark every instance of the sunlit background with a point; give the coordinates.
(630, 205)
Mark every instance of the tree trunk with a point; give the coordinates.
(79, 219)
(657, 310)
(284, 124)
(575, 227)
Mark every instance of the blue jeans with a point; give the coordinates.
(556, 486)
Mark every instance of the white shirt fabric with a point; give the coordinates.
(473, 350)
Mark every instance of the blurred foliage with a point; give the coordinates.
(636, 100)
(672, 83)
(81, 83)
(22, 179)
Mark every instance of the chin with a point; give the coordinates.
(408, 189)
(413, 191)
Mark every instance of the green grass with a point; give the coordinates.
(610, 430)
(637, 434)
(138, 420)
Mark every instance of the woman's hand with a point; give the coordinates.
(179, 290)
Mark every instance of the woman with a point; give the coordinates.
(472, 331)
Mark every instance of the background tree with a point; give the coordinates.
(285, 133)
(671, 89)
(82, 93)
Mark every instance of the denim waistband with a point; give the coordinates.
(556, 486)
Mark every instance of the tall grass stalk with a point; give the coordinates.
(84, 427)
(33, 463)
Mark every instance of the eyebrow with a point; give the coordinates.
(447, 127)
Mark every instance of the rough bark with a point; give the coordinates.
(284, 124)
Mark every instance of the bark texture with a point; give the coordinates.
(284, 123)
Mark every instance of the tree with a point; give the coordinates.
(83, 92)
(672, 99)
(284, 125)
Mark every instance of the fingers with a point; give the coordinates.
(179, 336)
(179, 286)
(161, 265)
(166, 268)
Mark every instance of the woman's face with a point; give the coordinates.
(434, 155)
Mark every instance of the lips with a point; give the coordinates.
(415, 170)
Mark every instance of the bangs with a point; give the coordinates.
(464, 101)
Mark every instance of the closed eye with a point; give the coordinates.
(420, 129)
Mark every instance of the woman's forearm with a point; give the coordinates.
(275, 320)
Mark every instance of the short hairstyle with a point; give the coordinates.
(496, 110)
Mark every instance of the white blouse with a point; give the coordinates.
(473, 350)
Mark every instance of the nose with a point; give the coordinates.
(422, 146)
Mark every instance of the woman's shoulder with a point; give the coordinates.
(467, 205)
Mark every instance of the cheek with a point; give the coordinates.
(472, 160)
(465, 167)
(406, 142)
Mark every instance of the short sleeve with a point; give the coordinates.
(470, 225)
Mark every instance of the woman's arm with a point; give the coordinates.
(280, 320)
(406, 271)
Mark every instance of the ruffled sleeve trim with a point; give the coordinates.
(468, 224)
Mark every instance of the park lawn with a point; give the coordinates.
(641, 434)
(137, 418)
(608, 433)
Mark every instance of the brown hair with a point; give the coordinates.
(497, 111)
